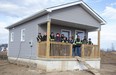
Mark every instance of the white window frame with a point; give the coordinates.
(66, 30)
(79, 31)
(12, 36)
(23, 34)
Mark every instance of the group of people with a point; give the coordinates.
(76, 51)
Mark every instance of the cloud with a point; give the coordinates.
(113, 4)
(25, 8)
(2, 26)
(109, 32)
(110, 11)
(107, 36)
(15, 10)
(3, 33)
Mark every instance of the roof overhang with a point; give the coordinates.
(48, 10)
(74, 25)
(38, 14)
(84, 5)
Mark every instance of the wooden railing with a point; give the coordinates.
(90, 51)
(42, 49)
(64, 50)
(57, 50)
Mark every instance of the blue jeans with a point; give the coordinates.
(78, 51)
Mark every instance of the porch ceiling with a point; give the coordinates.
(69, 24)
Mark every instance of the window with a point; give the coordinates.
(12, 36)
(67, 33)
(22, 34)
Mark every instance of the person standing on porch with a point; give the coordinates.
(64, 40)
(62, 37)
(44, 37)
(90, 42)
(84, 41)
(39, 37)
(78, 46)
(57, 39)
(52, 37)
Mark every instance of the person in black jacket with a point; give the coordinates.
(52, 37)
(84, 41)
(39, 37)
(90, 42)
(62, 37)
(57, 39)
(44, 37)
(64, 40)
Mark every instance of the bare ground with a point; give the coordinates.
(108, 67)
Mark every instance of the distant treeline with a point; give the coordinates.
(3, 46)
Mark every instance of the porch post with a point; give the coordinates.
(99, 43)
(48, 39)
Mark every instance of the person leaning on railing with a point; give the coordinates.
(44, 37)
(64, 40)
(57, 38)
(39, 37)
(90, 42)
(52, 37)
(85, 41)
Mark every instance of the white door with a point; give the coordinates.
(80, 33)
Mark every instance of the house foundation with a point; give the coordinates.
(51, 64)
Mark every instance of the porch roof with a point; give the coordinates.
(75, 25)
(51, 9)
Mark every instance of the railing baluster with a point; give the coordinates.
(82, 51)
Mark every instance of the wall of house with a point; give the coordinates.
(57, 29)
(23, 49)
(75, 14)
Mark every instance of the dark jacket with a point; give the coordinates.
(39, 38)
(84, 41)
(52, 37)
(57, 39)
(44, 38)
(62, 38)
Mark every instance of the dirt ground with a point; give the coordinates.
(108, 67)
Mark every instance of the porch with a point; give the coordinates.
(48, 49)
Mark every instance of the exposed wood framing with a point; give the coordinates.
(71, 47)
(48, 39)
(99, 42)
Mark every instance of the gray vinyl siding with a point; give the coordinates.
(58, 28)
(75, 14)
(23, 48)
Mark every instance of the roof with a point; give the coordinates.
(49, 10)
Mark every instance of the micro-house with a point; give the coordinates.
(69, 19)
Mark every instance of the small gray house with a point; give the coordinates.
(68, 19)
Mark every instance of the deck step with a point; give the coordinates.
(90, 69)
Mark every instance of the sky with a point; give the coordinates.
(12, 11)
